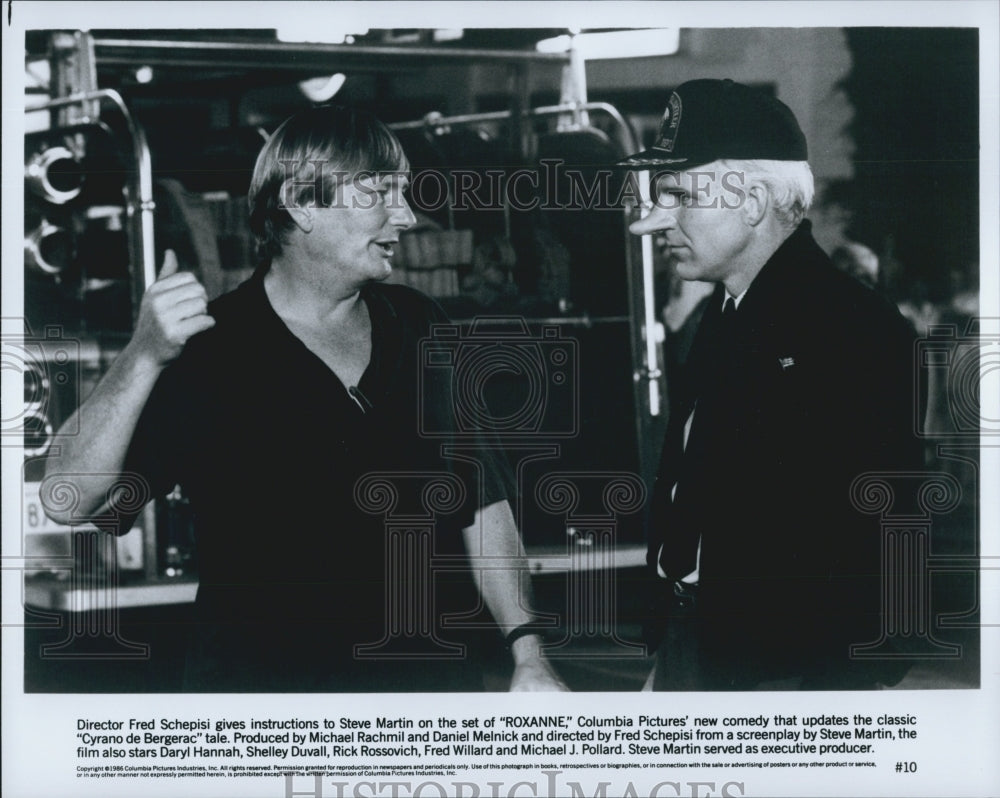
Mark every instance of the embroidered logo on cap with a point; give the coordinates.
(671, 120)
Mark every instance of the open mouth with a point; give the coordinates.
(386, 247)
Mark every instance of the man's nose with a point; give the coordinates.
(657, 219)
(401, 214)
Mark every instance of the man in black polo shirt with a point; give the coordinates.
(799, 381)
(288, 410)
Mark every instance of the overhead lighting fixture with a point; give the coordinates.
(144, 74)
(322, 89)
(306, 31)
(448, 34)
(616, 44)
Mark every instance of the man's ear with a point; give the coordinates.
(755, 206)
(298, 211)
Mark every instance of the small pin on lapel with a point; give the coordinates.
(786, 362)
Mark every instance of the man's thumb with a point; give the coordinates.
(169, 264)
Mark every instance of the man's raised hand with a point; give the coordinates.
(174, 308)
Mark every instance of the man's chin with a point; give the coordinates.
(382, 274)
(686, 271)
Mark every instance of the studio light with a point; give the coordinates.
(48, 248)
(616, 44)
(54, 175)
(322, 89)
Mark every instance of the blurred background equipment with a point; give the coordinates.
(54, 175)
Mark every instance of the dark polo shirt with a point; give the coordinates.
(299, 559)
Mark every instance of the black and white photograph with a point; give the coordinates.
(368, 367)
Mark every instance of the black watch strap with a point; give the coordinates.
(525, 629)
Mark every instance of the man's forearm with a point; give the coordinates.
(92, 457)
(173, 309)
(505, 588)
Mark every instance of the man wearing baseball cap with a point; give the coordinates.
(799, 382)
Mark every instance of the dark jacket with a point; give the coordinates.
(813, 387)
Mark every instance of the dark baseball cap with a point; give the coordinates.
(708, 120)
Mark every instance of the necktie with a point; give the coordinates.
(727, 327)
(679, 555)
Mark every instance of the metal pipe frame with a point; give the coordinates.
(499, 116)
(298, 57)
